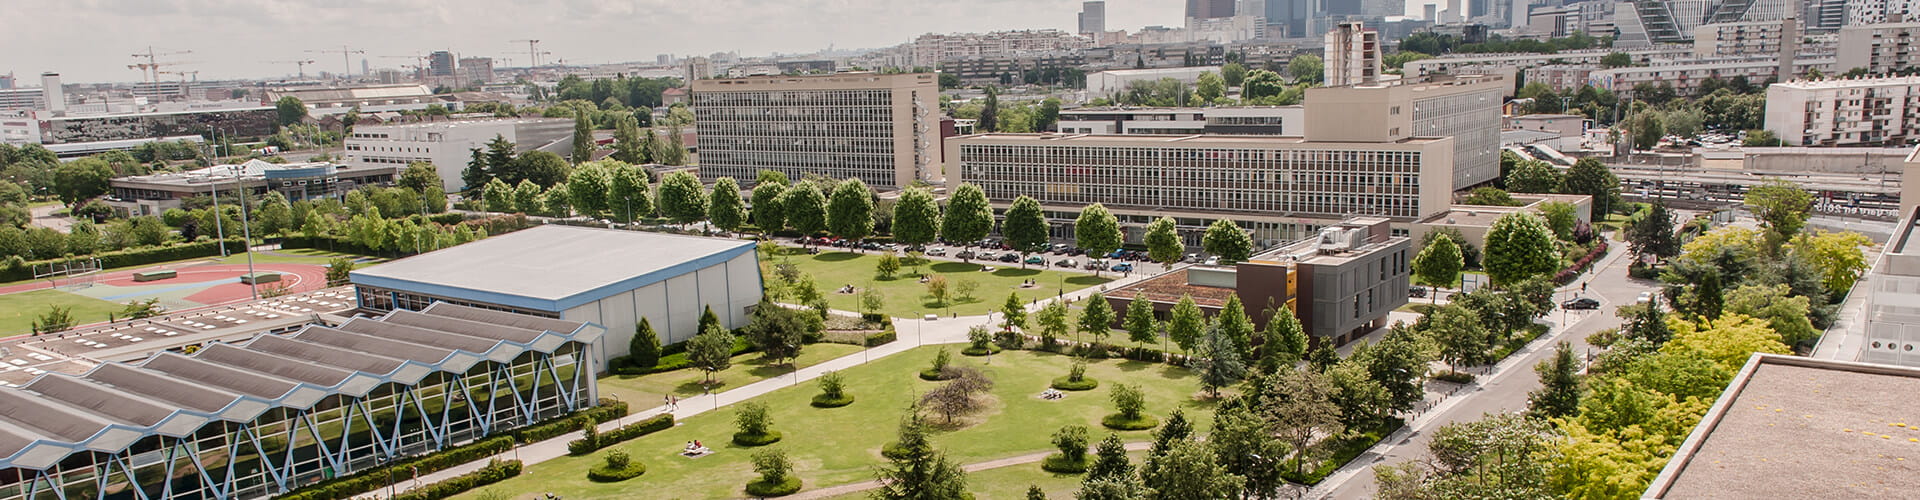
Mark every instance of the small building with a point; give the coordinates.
(673, 96)
(1793, 427)
(449, 144)
(604, 276)
(1340, 284)
(153, 194)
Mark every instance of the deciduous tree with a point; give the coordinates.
(724, 206)
(968, 217)
(1592, 178)
(1025, 226)
(1140, 325)
(768, 214)
(682, 199)
(1534, 176)
(850, 210)
(916, 218)
(1163, 241)
(1439, 264)
(1226, 240)
(1096, 317)
(1097, 231)
(711, 351)
(806, 208)
(1519, 246)
(1185, 323)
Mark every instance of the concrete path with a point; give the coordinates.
(990, 464)
(43, 216)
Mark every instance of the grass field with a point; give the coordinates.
(1010, 483)
(906, 297)
(646, 391)
(18, 311)
(842, 445)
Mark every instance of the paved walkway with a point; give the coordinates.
(990, 464)
(913, 332)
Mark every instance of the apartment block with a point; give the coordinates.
(930, 49)
(1880, 48)
(1248, 120)
(1857, 112)
(1479, 63)
(1281, 188)
(1465, 107)
(1352, 55)
(881, 129)
(1686, 76)
(449, 144)
(1740, 39)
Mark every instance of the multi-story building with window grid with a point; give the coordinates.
(1859, 112)
(1464, 107)
(881, 129)
(1880, 48)
(1280, 188)
(261, 418)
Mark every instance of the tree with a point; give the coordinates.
(1300, 410)
(958, 396)
(476, 174)
(887, 266)
(541, 167)
(498, 196)
(1439, 264)
(919, 472)
(1785, 313)
(1653, 234)
(75, 182)
(938, 289)
(1262, 83)
(1189, 471)
(1233, 74)
(1072, 442)
(752, 419)
(1286, 340)
(1399, 365)
(627, 192)
(587, 189)
(1053, 322)
(583, 143)
(682, 199)
(1246, 448)
(724, 206)
(1237, 327)
(1782, 207)
(806, 208)
(1728, 341)
(1013, 313)
(1096, 317)
(1463, 339)
(1616, 60)
(1519, 246)
(275, 215)
(1140, 325)
(916, 218)
(1097, 231)
(1221, 364)
(1760, 138)
(1209, 87)
(850, 210)
(1490, 196)
(711, 351)
(1113, 488)
(644, 350)
(627, 145)
(1534, 176)
(1163, 241)
(1305, 68)
(339, 269)
(968, 216)
(1559, 395)
(289, 110)
(774, 467)
(768, 215)
(1226, 240)
(419, 175)
(990, 113)
(778, 332)
(1026, 226)
(1561, 218)
(1185, 323)
(1592, 178)
(1110, 460)
(1836, 255)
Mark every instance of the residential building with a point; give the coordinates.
(1465, 108)
(881, 129)
(591, 275)
(1352, 55)
(26, 99)
(1797, 427)
(475, 71)
(1891, 291)
(156, 193)
(1281, 188)
(930, 49)
(1686, 76)
(1112, 82)
(1561, 77)
(1016, 70)
(672, 96)
(1750, 38)
(1093, 18)
(1340, 284)
(448, 145)
(258, 419)
(249, 123)
(1481, 63)
(1856, 112)
(1247, 120)
(1862, 12)
(367, 99)
(440, 63)
(1880, 48)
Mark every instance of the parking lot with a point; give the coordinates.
(1057, 256)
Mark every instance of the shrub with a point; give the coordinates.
(618, 467)
(939, 370)
(776, 475)
(589, 437)
(1131, 408)
(376, 478)
(755, 425)
(882, 338)
(651, 425)
(833, 392)
(1072, 458)
(1084, 384)
(607, 410)
(787, 486)
(756, 439)
(1454, 376)
(495, 471)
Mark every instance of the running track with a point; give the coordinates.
(299, 277)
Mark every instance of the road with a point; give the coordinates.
(1507, 389)
(43, 216)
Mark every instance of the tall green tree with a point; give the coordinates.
(1247, 449)
(711, 351)
(1519, 246)
(806, 208)
(916, 218)
(1653, 234)
(1189, 471)
(768, 214)
(968, 217)
(1026, 226)
(1048, 115)
(989, 120)
(1262, 83)
(587, 189)
(1306, 68)
(1300, 410)
(498, 196)
(1163, 241)
(1463, 339)
(724, 206)
(1219, 364)
(627, 145)
(850, 210)
(643, 351)
(419, 176)
(1782, 206)
(1233, 74)
(919, 471)
(1185, 323)
(289, 110)
(1562, 218)
(1013, 313)
(1226, 240)
(1209, 87)
(476, 175)
(628, 194)
(1096, 318)
(1535, 176)
(1559, 394)
(1097, 231)
(75, 182)
(1286, 340)
(1140, 325)
(1439, 264)
(275, 215)
(583, 143)
(541, 167)
(1237, 327)
(682, 199)
(1592, 178)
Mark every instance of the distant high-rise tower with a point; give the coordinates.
(1288, 18)
(6, 81)
(1352, 55)
(440, 63)
(1093, 17)
(476, 70)
(1209, 9)
(55, 94)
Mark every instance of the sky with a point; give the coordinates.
(92, 40)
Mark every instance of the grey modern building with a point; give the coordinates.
(1093, 17)
(881, 129)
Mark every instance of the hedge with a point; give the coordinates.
(602, 474)
(1569, 274)
(882, 338)
(1084, 384)
(137, 256)
(822, 401)
(762, 439)
(658, 423)
(672, 357)
(560, 426)
(1122, 423)
(495, 471)
(1059, 464)
(787, 486)
(376, 478)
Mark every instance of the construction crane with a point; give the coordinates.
(151, 68)
(302, 64)
(346, 57)
(533, 52)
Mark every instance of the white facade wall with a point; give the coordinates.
(1111, 82)
(448, 145)
(1880, 48)
(673, 307)
(1875, 111)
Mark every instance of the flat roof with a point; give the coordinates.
(1171, 286)
(1194, 140)
(1792, 427)
(552, 268)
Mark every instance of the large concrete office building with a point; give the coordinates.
(1352, 55)
(449, 144)
(1281, 188)
(155, 193)
(881, 129)
(603, 276)
(1464, 107)
(257, 419)
(1234, 120)
(1858, 112)
(1880, 48)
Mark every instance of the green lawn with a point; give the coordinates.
(842, 445)
(646, 391)
(18, 311)
(1010, 483)
(906, 297)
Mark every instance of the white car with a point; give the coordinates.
(1645, 297)
(937, 251)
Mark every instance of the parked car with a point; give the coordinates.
(1094, 265)
(966, 254)
(1417, 292)
(1213, 261)
(1645, 297)
(1009, 257)
(987, 255)
(1035, 259)
(1058, 248)
(1192, 258)
(1581, 303)
(1123, 267)
(937, 251)
(1067, 263)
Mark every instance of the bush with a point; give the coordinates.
(980, 351)
(608, 410)
(882, 338)
(618, 467)
(651, 425)
(1454, 376)
(776, 474)
(1068, 384)
(376, 478)
(822, 401)
(1146, 354)
(495, 471)
(763, 439)
(1640, 270)
(1059, 464)
(1122, 423)
(833, 392)
(760, 488)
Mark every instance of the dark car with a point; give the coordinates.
(1122, 267)
(1009, 257)
(1417, 292)
(1580, 303)
(965, 254)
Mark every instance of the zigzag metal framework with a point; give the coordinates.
(234, 422)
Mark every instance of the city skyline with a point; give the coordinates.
(251, 36)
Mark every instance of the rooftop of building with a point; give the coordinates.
(1483, 215)
(840, 77)
(460, 123)
(1843, 83)
(249, 170)
(1170, 287)
(1196, 140)
(1326, 249)
(1724, 63)
(1159, 71)
(1546, 116)
(348, 93)
(1794, 427)
(552, 267)
(1161, 109)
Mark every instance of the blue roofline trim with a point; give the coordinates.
(564, 303)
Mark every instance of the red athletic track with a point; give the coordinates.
(301, 277)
